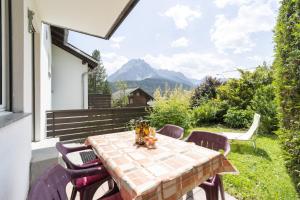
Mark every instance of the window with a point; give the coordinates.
(130, 101)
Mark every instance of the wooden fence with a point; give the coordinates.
(78, 124)
(99, 101)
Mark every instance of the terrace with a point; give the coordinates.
(45, 100)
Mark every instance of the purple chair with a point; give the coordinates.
(63, 150)
(52, 184)
(112, 194)
(172, 131)
(115, 196)
(87, 184)
(215, 142)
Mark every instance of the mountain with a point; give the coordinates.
(134, 70)
(174, 76)
(150, 85)
(138, 70)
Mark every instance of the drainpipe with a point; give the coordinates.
(83, 88)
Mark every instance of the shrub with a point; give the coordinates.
(239, 92)
(211, 111)
(237, 118)
(171, 108)
(264, 104)
(287, 82)
(291, 143)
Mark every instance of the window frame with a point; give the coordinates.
(4, 55)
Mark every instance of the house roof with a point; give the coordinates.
(128, 91)
(99, 18)
(59, 38)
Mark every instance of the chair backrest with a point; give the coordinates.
(64, 151)
(253, 128)
(51, 185)
(210, 140)
(172, 131)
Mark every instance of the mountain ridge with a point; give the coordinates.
(139, 70)
(150, 85)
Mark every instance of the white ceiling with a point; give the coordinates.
(94, 17)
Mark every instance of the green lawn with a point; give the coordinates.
(262, 171)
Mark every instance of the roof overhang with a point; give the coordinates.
(99, 18)
(59, 38)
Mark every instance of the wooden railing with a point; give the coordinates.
(79, 124)
(99, 101)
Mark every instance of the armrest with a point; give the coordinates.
(79, 148)
(89, 165)
(87, 172)
(210, 182)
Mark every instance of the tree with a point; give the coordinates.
(239, 92)
(287, 82)
(122, 99)
(252, 92)
(206, 90)
(97, 77)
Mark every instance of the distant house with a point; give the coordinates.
(136, 96)
(68, 73)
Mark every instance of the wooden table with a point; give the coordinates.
(167, 172)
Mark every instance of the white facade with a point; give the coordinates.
(32, 69)
(15, 148)
(69, 81)
(16, 137)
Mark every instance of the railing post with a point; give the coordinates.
(53, 124)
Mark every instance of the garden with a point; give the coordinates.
(272, 170)
(229, 106)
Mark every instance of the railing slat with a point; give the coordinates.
(79, 124)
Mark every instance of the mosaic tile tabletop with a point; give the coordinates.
(169, 171)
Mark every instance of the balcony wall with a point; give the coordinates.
(15, 151)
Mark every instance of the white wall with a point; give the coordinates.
(16, 152)
(15, 138)
(67, 80)
(43, 75)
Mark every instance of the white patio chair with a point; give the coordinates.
(247, 136)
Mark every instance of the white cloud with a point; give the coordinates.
(116, 41)
(193, 65)
(180, 42)
(182, 15)
(235, 33)
(112, 61)
(223, 3)
(258, 60)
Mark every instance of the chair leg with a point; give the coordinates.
(73, 194)
(88, 192)
(221, 188)
(110, 184)
(254, 144)
(211, 192)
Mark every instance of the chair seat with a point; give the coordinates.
(88, 180)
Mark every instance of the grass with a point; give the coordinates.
(262, 171)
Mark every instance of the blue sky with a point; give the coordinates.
(197, 38)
